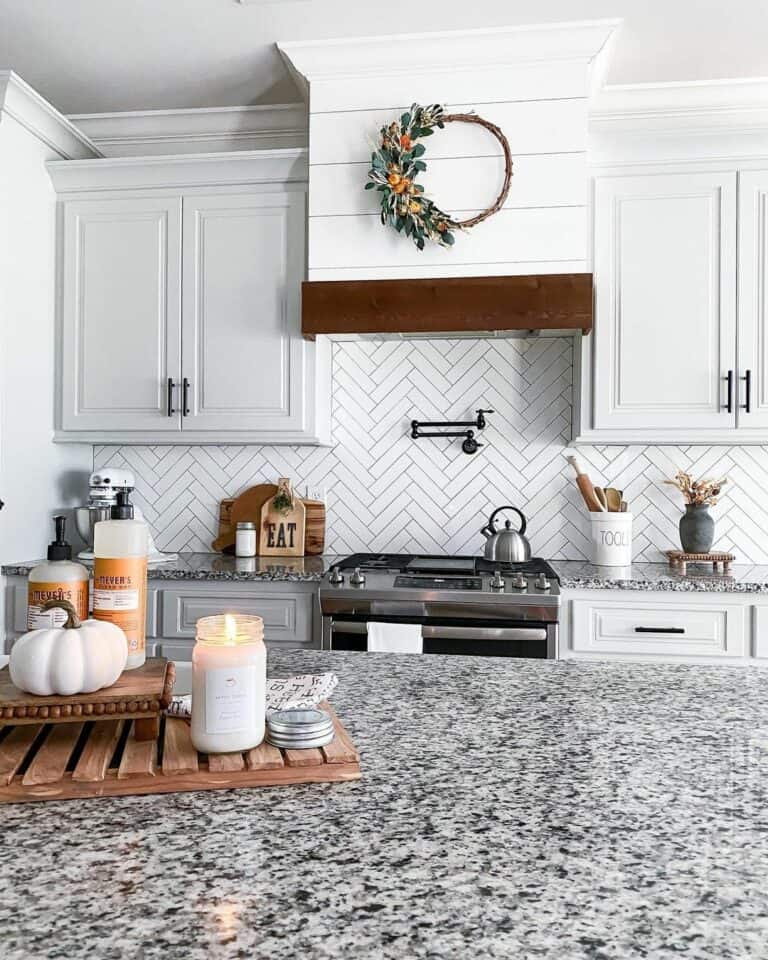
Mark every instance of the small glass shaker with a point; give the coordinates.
(245, 539)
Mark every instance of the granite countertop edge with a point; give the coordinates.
(573, 574)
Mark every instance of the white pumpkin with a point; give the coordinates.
(78, 657)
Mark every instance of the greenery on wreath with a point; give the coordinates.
(395, 164)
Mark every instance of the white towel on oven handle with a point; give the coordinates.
(394, 637)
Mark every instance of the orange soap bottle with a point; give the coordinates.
(58, 578)
(120, 547)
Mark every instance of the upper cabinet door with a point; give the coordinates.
(244, 361)
(120, 314)
(753, 305)
(665, 318)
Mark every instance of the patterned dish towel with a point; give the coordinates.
(290, 692)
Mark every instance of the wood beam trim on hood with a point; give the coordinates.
(455, 304)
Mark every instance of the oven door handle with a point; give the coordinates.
(428, 632)
(502, 634)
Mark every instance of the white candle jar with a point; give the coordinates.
(229, 684)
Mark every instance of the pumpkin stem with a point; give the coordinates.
(73, 621)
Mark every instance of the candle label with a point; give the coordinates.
(230, 699)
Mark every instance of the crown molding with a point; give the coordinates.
(735, 104)
(204, 130)
(25, 105)
(712, 120)
(177, 172)
(420, 53)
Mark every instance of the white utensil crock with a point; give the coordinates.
(612, 539)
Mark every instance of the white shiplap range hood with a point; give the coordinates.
(534, 83)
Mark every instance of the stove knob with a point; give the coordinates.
(336, 576)
(497, 581)
(519, 581)
(357, 577)
(541, 582)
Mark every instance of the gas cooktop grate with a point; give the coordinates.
(436, 565)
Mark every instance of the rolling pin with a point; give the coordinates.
(585, 486)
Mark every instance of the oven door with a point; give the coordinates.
(474, 639)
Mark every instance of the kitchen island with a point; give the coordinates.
(507, 809)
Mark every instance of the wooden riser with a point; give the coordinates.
(104, 759)
(140, 694)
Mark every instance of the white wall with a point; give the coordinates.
(89, 56)
(37, 477)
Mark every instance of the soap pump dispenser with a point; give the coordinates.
(120, 547)
(57, 578)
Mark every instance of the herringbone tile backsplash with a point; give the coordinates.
(387, 492)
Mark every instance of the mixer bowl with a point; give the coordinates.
(85, 520)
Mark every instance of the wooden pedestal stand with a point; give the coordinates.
(679, 560)
(140, 695)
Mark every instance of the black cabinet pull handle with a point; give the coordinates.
(170, 387)
(185, 397)
(659, 629)
(747, 378)
(729, 381)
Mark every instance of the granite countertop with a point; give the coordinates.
(518, 808)
(218, 567)
(699, 578)
(574, 574)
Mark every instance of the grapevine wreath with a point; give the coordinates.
(398, 160)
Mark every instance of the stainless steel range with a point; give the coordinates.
(465, 605)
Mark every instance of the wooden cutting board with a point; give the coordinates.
(281, 532)
(248, 506)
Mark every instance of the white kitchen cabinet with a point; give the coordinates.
(760, 632)
(121, 313)
(659, 628)
(753, 307)
(180, 312)
(664, 339)
(289, 609)
(244, 368)
(684, 627)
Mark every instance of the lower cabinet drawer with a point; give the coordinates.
(287, 617)
(655, 628)
(760, 645)
(173, 649)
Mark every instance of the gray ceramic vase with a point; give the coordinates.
(697, 528)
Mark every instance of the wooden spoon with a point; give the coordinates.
(613, 499)
(601, 497)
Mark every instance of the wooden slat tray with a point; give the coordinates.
(104, 759)
(141, 694)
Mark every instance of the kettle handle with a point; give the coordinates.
(523, 521)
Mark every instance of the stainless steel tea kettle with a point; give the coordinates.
(507, 545)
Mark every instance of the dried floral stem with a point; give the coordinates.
(697, 492)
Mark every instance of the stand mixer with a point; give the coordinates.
(104, 486)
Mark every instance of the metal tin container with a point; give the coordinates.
(299, 729)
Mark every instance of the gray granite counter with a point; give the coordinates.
(574, 574)
(530, 809)
(217, 567)
(700, 578)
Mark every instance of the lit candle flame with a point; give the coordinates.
(230, 628)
